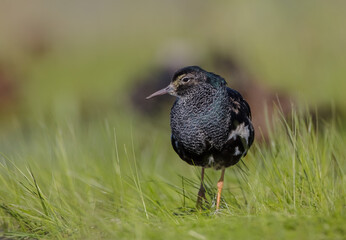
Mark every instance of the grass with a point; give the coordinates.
(67, 170)
(94, 180)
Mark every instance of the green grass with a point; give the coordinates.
(116, 178)
(70, 170)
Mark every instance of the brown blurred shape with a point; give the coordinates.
(8, 90)
(35, 39)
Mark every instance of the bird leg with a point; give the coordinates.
(219, 188)
(201, 192)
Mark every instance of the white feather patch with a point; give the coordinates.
(241, 131)
(211, 160)
(236, 151)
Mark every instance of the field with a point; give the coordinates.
(91, 181)
(77, 161)
(116, 177)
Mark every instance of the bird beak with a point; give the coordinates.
(163, 91)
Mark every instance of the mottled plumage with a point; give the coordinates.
(211, 123)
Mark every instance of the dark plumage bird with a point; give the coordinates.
(211, 123)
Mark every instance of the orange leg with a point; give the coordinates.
(201, 192)
(219, 188)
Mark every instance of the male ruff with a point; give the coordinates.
(211, 123)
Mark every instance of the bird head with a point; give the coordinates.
(188, 78)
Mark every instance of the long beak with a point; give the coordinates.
(163, 91)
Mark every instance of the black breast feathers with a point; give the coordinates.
(211, 126)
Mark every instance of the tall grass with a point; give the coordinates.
(94, 180)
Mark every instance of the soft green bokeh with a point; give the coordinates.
(76, 162)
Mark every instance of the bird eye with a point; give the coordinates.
(185, 79)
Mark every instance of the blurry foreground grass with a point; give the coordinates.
(104, 179)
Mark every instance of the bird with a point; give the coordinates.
(211, 123)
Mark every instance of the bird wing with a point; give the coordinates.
(241, 129)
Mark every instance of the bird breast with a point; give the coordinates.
(201, 121)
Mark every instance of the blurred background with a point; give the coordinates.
(75, 124)
(77, 61)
